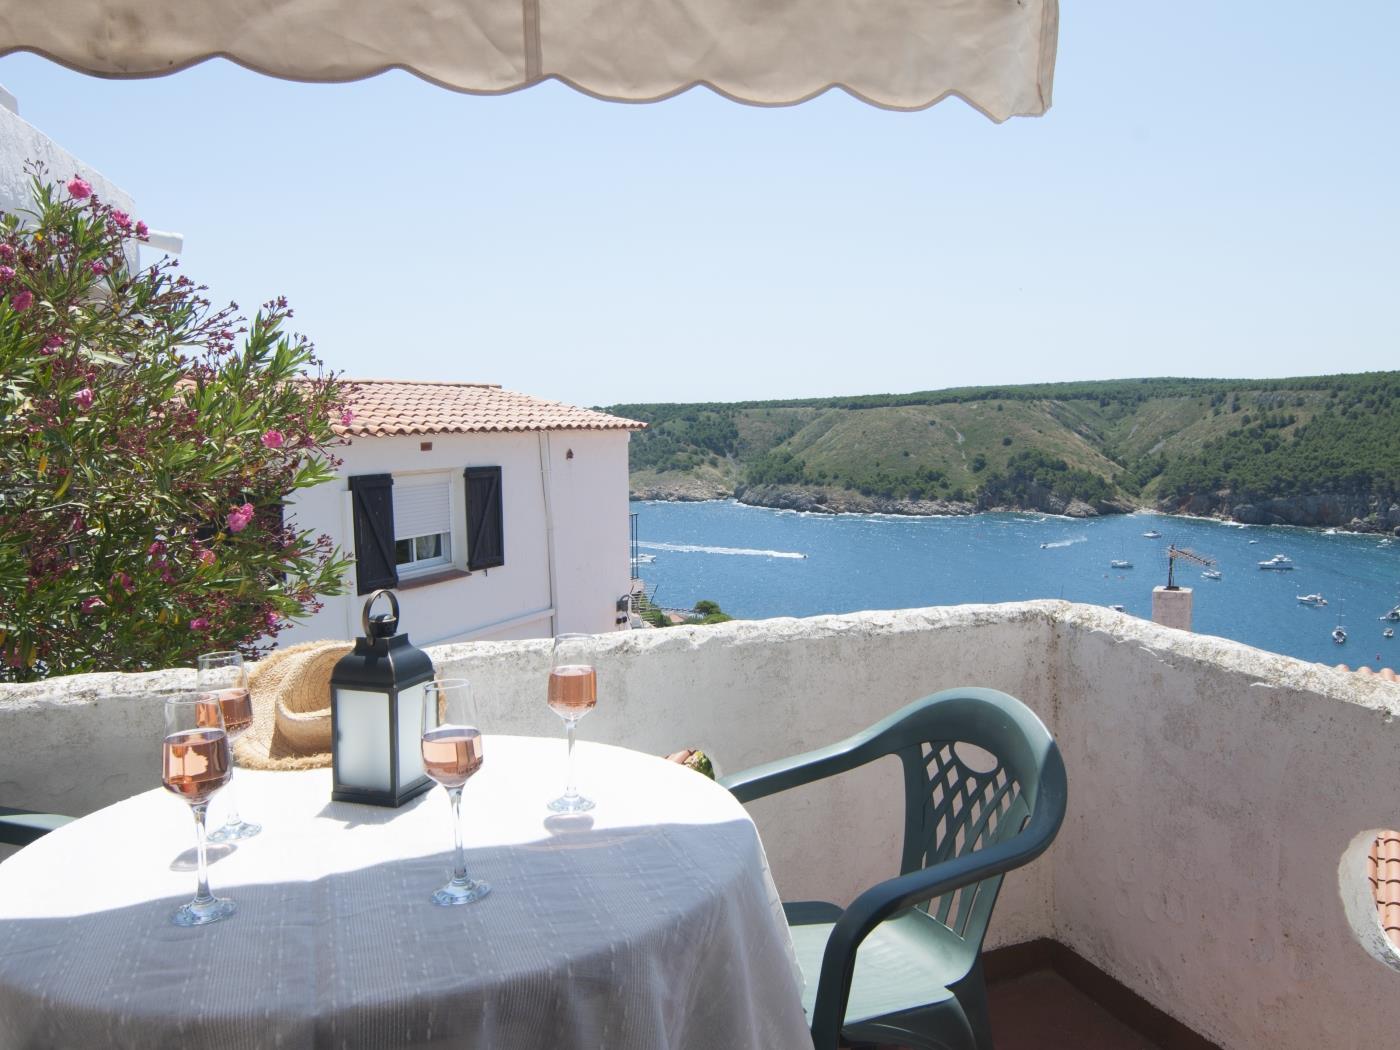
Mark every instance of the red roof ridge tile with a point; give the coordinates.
(421, 382)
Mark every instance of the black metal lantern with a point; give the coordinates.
(376, 714)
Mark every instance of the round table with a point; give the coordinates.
(650, 922)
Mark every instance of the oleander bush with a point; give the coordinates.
(147, 443)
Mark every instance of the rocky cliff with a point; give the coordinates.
(1322, 509)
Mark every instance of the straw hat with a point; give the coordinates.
(291, 708)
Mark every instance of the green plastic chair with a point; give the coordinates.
(902, 965)
(20, 827)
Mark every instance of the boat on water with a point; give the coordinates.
(1119, 563)
(1118, 608)
(1211, 574)
(1389, 632)
(1339, 635)
(645, 559)
(1253, 541)
(1152, 534)
(1280, 562)
(1393, 616)
(1317, 601)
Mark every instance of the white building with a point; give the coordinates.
(492, 514)
(21, 143)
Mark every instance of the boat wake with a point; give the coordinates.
(1062, 543)
(691, 548)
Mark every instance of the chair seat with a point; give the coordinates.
(20, 827)
(906, 964)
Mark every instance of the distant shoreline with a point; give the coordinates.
(905, 509)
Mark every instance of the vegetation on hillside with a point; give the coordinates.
(1144, 440)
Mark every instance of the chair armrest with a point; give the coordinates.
(885, 899)
(796, 770)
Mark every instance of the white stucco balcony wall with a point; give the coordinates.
(1214, 789)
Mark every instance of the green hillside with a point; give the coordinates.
(1207, 444)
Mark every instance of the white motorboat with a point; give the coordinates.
(1317, 601)
(1339, 635)
(1280, 562)
(1119, 563)
(1389, 632)
(1152, 534)
(1393, 616)
(1211, 574)
(645, 559)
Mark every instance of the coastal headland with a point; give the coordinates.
(1312, 450)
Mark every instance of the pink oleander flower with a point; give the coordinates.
(98, 267)
(272, 439)
(7, 273)
(142, 230)
(7, 252)
(125, 582)
(205, 556)
(199, 623)
(53, 342)
(272, 619)
(22, 300)
(89, 604)
(156, 549)
(79, 189)
(83, 398)
(121, 218)
(239, 517)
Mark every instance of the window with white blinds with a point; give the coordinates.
(422, 523)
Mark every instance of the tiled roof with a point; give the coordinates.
(1385, 673)
(386, 407)
(1383, 867)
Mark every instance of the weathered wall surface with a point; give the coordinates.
(1214, 788)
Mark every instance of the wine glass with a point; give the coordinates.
(223, 675)
(195, 764)
(573, 692)
(452, 753)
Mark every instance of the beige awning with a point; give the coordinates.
(998, 55)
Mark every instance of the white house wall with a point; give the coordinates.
(587, 503)
(21, 142)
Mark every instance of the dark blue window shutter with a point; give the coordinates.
(485, 525)
(373, 498)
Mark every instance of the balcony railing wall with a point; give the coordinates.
(1209, 859)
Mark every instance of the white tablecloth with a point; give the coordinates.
(649, 923)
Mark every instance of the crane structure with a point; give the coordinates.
(1173, 553)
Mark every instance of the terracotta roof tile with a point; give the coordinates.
(1383, 869)
(386, 407)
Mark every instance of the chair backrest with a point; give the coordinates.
(979, 768)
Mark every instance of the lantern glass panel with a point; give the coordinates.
(411, 734)
(362, 739)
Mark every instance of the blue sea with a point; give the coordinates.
(758, 563)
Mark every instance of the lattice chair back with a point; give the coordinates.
(971, 773)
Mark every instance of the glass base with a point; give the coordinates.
(461, 892)
(229, 832)
(571, 804)
(201, 913)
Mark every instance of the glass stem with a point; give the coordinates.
(459, 872)
(202, 895)
(569, 790)
(233, 819)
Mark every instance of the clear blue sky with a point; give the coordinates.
(1213, 193)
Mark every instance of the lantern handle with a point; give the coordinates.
(393, 604)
